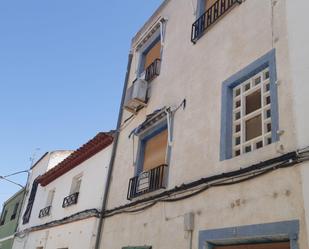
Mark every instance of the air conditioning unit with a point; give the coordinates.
(136, 96)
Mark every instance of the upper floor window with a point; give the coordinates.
(150, 58)
(209, 12)
(27, 214)
(249, 108)
(74, 192)
(76, 183)
(252, 114)
(152, 158)
(3, 217)
(49, 202)
(14, 214)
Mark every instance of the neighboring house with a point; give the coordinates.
(213, 156)
(9, 219)
(66, 199)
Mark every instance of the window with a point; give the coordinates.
(282, 245)
(249, 118)
(76, 183)
(13, 216)
(3, 218)
(154, 150)
(252, 114)
(27, 214)
(208, 13)
(150, 57)
(152, 157)
(50, 198)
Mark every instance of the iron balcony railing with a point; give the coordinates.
(153, 70)
(212, 15)
(45, 212)
(70, 200)
(147, 182)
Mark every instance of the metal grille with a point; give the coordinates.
(146, 182)
(212, 14)
(153, 70)
(45, 212)
(70, 200)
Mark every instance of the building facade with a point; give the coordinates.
(212, 147)
(68, 199)
(9, 219)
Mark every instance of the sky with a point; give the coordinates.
(62, 68)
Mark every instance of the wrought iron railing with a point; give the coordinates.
(147, 182)
(45, 212)
(70, 200)
(153, 70)
(212, 15)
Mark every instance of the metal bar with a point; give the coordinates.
(210, 16)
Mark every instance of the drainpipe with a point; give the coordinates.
(112, 160)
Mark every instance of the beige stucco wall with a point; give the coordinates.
(74, 235)
(196, 72)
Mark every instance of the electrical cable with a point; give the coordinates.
(245, 174)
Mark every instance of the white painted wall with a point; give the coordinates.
(79, 234)
(49, 161)
(196, 72)
(298, 36)
(75, 235)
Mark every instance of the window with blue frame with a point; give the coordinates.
(249, 117)
(150, 57)
(152, 157)
(153, 148)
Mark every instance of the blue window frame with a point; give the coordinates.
(144, 138)
(145, 49)
(285, 231)
(200, 7)
(266, 61)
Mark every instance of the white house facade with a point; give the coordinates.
(212, 153)
(68, 199)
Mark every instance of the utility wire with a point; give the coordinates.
(5, 178)
(15, 183)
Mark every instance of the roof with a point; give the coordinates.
(86, 151)
(20, 192)
(150, 20)
(37, 162)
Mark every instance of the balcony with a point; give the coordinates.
(44, 212)
(70, 200)
(147, 182)
(153, 70)
(211, 16)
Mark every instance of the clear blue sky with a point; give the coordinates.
(62, 67)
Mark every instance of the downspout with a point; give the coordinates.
(112, 160)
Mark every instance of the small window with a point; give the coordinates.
(3, 218)
(13, 216)
(252, 124)
(250, 108)
(76, 183)
(50, 198)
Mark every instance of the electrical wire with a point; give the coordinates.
(15, 183)
(227, 179)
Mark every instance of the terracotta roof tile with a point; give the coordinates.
(89, 149)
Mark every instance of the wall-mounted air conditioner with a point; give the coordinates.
(136, 96)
